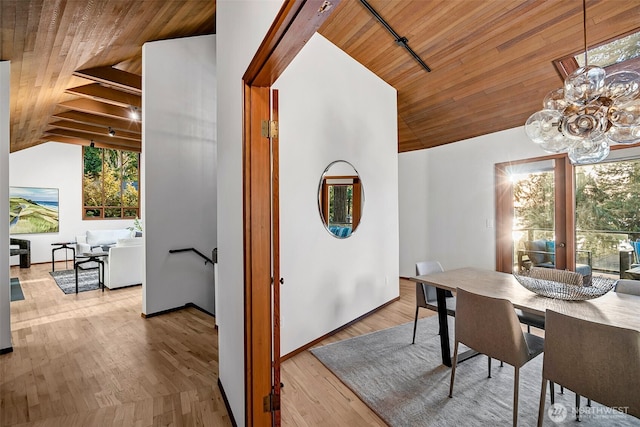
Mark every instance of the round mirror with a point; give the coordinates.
(340, 199)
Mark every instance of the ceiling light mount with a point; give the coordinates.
(134, 113)
(591, 112)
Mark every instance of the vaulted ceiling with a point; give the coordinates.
(491, 60)
(76, 64)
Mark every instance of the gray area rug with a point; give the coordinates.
(66, 280)
(406, 385)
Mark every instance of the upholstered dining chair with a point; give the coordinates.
(426, 294)
(628, 286)
(490, 326)
(594, 360)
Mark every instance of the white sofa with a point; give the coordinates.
(125, 264)
(100, 239)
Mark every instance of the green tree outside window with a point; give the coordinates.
(111, 181)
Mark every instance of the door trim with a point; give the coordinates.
(295, 23)
(564, 212)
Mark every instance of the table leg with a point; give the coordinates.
(101, 273)
(444, 327)
(444, 332)
(76, 268)
(73, 253)
(53, 260)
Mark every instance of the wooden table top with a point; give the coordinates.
(621, 310)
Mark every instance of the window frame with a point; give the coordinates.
(103, 208)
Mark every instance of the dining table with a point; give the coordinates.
(616, 309)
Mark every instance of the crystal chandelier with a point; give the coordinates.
(589, 113)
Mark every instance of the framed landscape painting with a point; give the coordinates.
(33, 210)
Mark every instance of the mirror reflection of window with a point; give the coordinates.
(340, 200)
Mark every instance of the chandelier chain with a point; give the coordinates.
(584, 29)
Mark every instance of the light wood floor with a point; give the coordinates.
(91, 360)
(313, 396)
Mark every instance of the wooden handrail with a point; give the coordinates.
(206, 258)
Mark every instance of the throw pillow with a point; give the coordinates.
(551, 248)
(131, 241)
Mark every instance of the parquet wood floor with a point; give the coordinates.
(91, 360)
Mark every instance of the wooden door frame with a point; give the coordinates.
(564, 227)
(295, 23)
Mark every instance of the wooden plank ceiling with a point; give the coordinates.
(492, 60)
(76, 64)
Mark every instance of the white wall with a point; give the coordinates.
(58, 166)
(446, 193)
(458, 221)
(333, 108)
(179, 170)
(240, 28)
(414, 202)
(455, 216)
(5, 313)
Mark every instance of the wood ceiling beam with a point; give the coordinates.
(84, 142)
(92, 119)
(106, 94)
(105, 139)
(96, 130)
(95, 107)
(113, 77)
(296, 22)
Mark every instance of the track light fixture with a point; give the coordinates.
(92, 144)
(111, 131)
(400, 41)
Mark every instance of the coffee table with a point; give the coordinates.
(83, 262)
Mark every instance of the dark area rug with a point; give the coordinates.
(407, 385)
(16, 290)
(66, 280)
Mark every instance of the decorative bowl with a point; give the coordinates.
(548, 288)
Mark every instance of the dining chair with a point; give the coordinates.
(628, 286)
(426, 294)
(490, 326)
(594, 360)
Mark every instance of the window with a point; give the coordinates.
(585, 215)
(620, 53)
(110, 184)
(607, 210)
(614, 52)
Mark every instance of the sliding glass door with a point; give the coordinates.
(533, 228)
(534, 215)
(582, 218)
(608, 215)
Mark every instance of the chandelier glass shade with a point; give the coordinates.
(588, 114)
